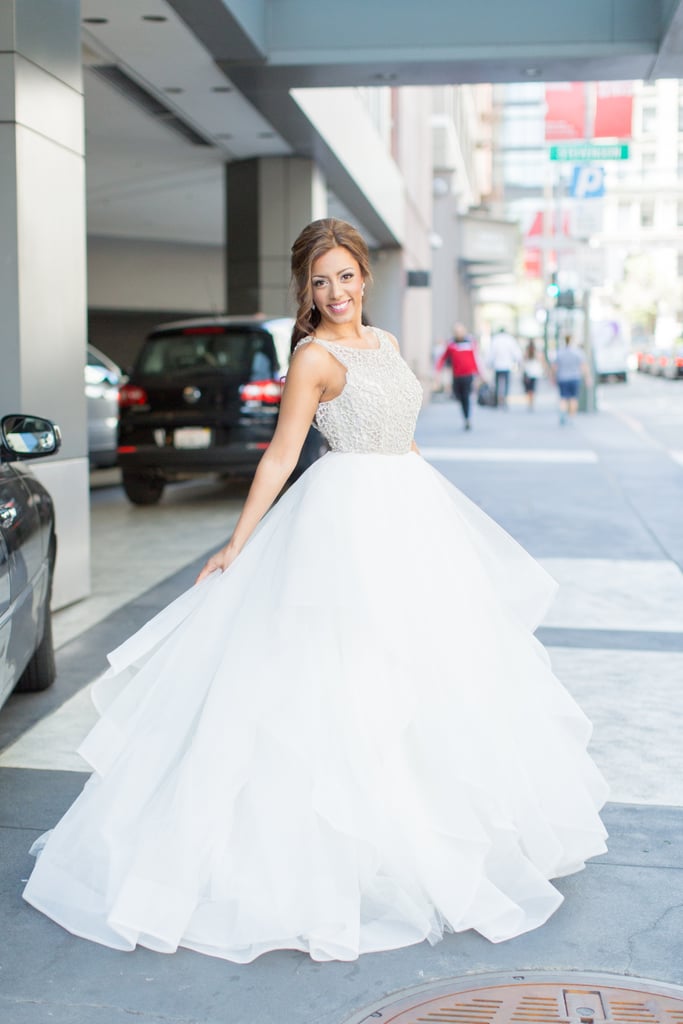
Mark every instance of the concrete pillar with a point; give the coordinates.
(42, 260)
(269, 201)
(384, 297)
(414, 149)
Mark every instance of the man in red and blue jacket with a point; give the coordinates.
(462, 355)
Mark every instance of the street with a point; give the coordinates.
(598, 502)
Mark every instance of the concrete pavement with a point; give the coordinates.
(598, 503)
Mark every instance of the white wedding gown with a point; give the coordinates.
(349, 741)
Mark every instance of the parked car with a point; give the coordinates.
(658, 366)
(645, 359)
(28, 548)
(653, 360)
(203, 397)
(673, 364)
(102, 380)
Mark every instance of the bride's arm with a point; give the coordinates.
(305, 383)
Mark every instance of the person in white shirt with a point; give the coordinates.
(504, 355)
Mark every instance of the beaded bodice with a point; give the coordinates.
(377, 410)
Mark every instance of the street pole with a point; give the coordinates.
(588, 393)
(545, 251)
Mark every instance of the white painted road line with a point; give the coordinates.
(601, 593)
(577, 455)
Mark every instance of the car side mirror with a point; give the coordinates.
(28, 437)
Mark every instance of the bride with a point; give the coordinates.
(345, 737)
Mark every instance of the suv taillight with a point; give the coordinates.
(267, 391)
(130, 395)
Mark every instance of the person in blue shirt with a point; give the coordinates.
(569, 368)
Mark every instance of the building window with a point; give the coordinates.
(679, 214)
(647, 213)
(680, 264)
(648, 159)
(649, 120)
(623, 217)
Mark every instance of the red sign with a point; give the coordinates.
(532, 263)
(538, 228)
(565, 111)
(613, 110)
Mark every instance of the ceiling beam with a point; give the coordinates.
(233, 32)
(668, 61)
(281, 110)
(455, 31)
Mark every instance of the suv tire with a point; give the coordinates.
(143, 490)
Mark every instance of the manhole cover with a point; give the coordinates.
(532, 998)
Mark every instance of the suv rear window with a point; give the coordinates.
(247, 354)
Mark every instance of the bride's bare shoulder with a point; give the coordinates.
(309, 359)
(390, 336)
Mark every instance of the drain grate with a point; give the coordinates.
(532, 999)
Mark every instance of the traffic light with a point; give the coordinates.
(565, 299)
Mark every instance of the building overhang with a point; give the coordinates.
(269, 48)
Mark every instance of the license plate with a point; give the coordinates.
(192, 437)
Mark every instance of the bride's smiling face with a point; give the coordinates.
(337, 286)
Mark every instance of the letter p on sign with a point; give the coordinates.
(587, 182)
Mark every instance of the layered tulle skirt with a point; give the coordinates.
(349, 741)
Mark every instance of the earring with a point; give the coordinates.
(313, 308)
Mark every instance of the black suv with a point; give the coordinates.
(203, 397)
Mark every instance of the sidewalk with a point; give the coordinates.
(598, 503)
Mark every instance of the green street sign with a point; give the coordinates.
(577, 151)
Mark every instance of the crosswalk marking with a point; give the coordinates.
(563, 455)
(603, 593)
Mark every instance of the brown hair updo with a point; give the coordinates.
(315, 240)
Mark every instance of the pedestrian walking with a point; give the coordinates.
(461, 353)
(569, 369)
(504, 355)
(532, 370)
(288, 755)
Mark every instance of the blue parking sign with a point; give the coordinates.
(588, 182)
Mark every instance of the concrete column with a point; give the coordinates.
(384, 297)
(42, 261)
(269, 201)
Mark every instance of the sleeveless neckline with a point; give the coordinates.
(351, 348)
